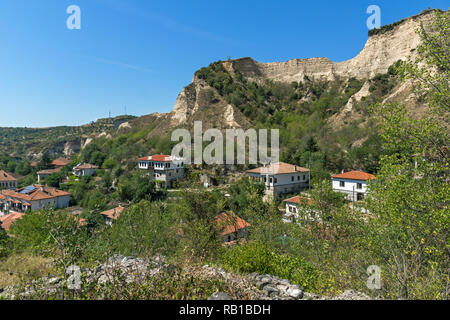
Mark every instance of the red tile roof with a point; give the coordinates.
(278, 168)
(39, 193)
(355, 175)
(49, 171)
(61, 162)
(298, 200)
(157, 157)
(8, 220)
(229, 222)
(4, 176)
(113, 213)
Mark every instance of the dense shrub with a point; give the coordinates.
(258, 257)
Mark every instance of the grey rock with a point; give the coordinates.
(295, 293)
(219, 296)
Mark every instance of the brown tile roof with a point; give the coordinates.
(39, 193)
(278, 168)
(8, 220)
(4, 176)
(113, 213)
(355, 175)
(86, 166)
(61, 162)
(49, 171)
(298, 200)
(229, 222)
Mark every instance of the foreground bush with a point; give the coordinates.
(258, 257)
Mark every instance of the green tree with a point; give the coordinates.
(410, 199)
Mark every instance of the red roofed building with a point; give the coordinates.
(7, 220)
(299, 206)
(353, 184)
(163, 169)
(45, 173)
(7, 180)
(34, 197)
(281, 178)
(112, 214)
(60, 162)
(230, 227)
(85, 169)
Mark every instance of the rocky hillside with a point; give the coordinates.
(128, 274)
(201, 101)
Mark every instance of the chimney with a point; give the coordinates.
(342, 171)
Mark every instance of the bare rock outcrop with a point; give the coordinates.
(378, 54)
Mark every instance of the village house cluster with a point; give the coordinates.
(278, 179)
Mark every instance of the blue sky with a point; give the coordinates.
(139, 54)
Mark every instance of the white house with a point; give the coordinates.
(110, 215)
(45, 173)
(299, 208)
(85, 169)
(281, 178)
(353, 184)
(162, 168)
(33, 197)
(7, 181)
(230, 227)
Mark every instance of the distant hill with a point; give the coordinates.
(30, 143)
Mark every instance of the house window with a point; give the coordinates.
(341, 184)
(275, 180)
(271, 180)
(304, 177)
(359, 186)
(292, 178)
(298, 178)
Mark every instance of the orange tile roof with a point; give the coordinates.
(61, 162)
(86, 166)
(157, 157)
(279, 168)
(355, 175)
(4, 176)
(229, 222)
(7, 220)
(113, 213)
(49, 171)
(39, 193)
(82, 222)
(298, 200)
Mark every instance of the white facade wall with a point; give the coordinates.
(277, 184)
(84, 172)
(351, 188)
(8, 184)
(293, 211)
(165, 172)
